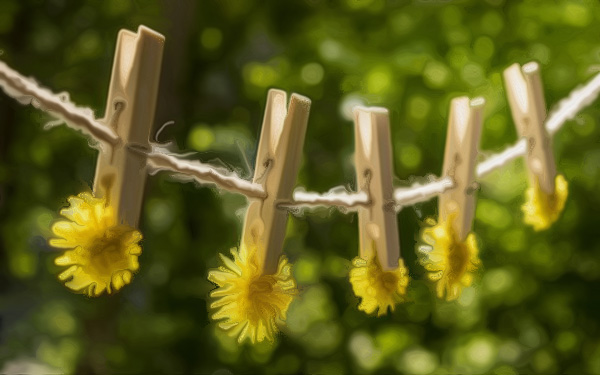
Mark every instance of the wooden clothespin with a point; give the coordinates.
(462, 142)
(377, 222)
(528, 108)
(121, 172)
(277, 163)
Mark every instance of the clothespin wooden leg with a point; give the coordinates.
(378, 226)
(462, 141)
(528, 108)
(121, 172)
(277, 162)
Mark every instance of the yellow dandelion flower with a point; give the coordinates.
(378, 289)
(542, 209)
(450, 262)
(251, 303)
(101, 254)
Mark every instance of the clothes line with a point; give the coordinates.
(160, 159)
(28, 91)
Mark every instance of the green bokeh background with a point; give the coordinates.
(534, 307)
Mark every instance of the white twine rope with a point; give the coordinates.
(336, 197)
(160, 160)
(567, 108)
(27, 91)
(421, 192)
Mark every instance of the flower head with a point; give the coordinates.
(450, 262)
(251, 303)
(101, 255)
(542, 209)
(378, 289)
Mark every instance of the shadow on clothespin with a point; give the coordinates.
(121, 171)
(377, 223)
(277, 163)
(548, 190)
(462, 142)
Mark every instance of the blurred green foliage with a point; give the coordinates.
(535, 306)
